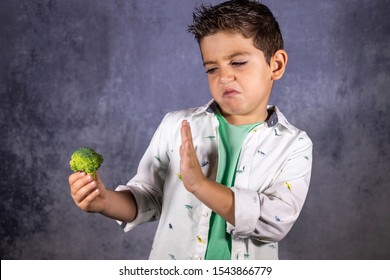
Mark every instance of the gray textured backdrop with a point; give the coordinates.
(104, 73)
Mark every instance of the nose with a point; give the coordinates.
(225, 76)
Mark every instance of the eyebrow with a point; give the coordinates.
(228, 57)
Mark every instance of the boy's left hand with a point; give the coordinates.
(190, 170)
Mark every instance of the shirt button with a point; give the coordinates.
(205, 214)
(198, 258)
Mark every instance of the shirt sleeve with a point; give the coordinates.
(146, 186)
(277, 207)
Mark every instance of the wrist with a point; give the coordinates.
(105, 202)
(200, 186)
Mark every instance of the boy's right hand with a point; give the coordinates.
(88, 194)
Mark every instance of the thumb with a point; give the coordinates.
(97, 177)
(99, 180)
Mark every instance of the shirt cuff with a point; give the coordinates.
(144, 214)
(246, 211)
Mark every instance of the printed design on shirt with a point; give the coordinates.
(261, 153)
(158, 158)
(188, 207)
(211, 138)
(288, 186)
(240, 171)
(170, 226)
(278, 219)
(200, 240)
(172, 257)
(204, 163)
(179, 176)
(277, 133)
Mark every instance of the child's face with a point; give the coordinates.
(239, 77)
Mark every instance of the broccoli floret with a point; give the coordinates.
(86, 160)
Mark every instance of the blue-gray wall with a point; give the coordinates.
(104, 73)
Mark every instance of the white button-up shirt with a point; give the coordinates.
(271, 185)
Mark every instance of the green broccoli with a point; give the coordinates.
(86, 160)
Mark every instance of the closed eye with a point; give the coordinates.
(233, 63)
(211, 70)
(238, 63)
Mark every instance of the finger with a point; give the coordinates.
(99, 181)
(186, 133)
(80, 183)
(85, 191)
(97, 178)
(88, 200)
(183, 131)
(189, 154)
(75, 176)
(184, 156)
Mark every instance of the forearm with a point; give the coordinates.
(120, 206)
(218, 198)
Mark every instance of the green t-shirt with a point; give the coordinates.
(231, 137)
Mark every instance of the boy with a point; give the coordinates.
(226, 180)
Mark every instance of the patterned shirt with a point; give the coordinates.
(271, 184)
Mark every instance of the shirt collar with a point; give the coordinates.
(274, 115)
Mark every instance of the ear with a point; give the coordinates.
(278, 64)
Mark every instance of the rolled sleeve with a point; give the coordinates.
(147, 206)
(147, 184)
(269, 215)
(246, 216)
(282, 202)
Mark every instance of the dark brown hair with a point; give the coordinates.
(249, 18)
